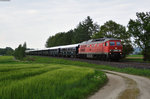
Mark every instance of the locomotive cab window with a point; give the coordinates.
(106, 44)
(112, 43)
(118, 43)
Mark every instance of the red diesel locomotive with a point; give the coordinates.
(102, 48)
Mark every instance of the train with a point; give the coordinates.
(102, 49)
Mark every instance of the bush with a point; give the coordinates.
(20, 52)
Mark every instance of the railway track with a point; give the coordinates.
(120, 64)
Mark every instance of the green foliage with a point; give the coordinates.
(140, 30)
(48, 81)
(20, 52)
(85, 30)
(127, 49)
(82, 32)
(60, 39)
(111, 29)
(6, 51)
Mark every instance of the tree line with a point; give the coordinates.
(82, 32)
(18, 53)
(6, 51)
(138, 29)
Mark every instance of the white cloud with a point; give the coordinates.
(32, 11)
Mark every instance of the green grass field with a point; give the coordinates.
(48, 60)
(134, 58)
(53, 78)
(47, 78)
(138, 56)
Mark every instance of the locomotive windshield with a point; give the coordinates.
(112, 43)
(118, 43)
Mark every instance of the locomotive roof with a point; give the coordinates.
(100, 40)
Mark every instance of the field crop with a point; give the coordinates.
(28, 80)
(53, 78)
(47, 60)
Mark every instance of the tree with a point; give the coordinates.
(19, 52)
(85, 30)
(24, 47)
(9, 51)
(140, 30)
(111, 29)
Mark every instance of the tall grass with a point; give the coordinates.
(130, 70)
(28, 80)
(6, 59)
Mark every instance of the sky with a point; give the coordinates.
(33, 21)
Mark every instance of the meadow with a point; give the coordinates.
(138, 56)
(38, 77)
(134, 58)
(53, 60)
(47, 78)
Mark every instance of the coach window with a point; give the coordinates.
(112, 43)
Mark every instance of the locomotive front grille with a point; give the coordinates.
(115, 55)
(115, 50)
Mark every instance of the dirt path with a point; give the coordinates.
(124, 86)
